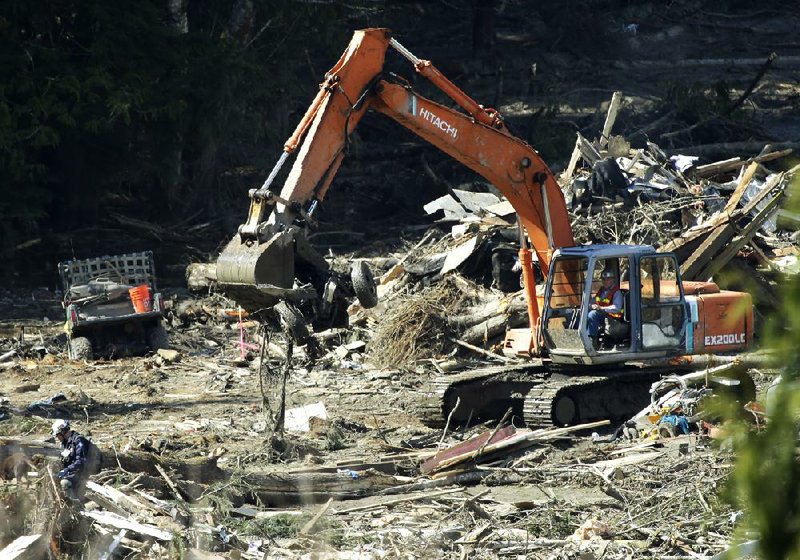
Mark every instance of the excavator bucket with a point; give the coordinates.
(257, 275)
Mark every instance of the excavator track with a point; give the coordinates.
(569, 400)
(478, 394)
(538, 393)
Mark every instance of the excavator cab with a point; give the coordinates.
(654, 319)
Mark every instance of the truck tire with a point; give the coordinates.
(79, 348)
(157, 338)
(364, 285)
(292, 321)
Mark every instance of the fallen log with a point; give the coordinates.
(282, 489)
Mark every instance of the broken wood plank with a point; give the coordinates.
(117, 521)
(744, 237)
(566, 177)
(131, 504)
(628, 461)
(611, 117)
(483, 352)
(466, 447)
(308, 527)
(281, 489)
(588, 152)
(711, 169)
(18, 547)
(700, 258)
(169, 482)
(520, 440)
(387, 503)
(744, 182)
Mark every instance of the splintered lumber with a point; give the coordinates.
(467, 447)
(588, 152)
(426, 496)
(482, 351)
(308, 527)
(690, 269)
(744, 182)
(566, 177)
(512, 441)
(130, 503)
(628, 461)
(109, 519)
(611, 117)
(744, 237)
(714, 251)
(18, 547)
(724, 166)
(169, 482)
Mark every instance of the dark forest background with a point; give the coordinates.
(141, 125)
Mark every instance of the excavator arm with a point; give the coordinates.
(259, 260)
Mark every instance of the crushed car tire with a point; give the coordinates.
(157, 338)
(364, 285)
(292, 321)
(79, 348)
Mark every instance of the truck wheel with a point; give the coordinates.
(364, 285)
(157, 338)
(79, 348)
(292, 321)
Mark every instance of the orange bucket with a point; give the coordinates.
(140, 297)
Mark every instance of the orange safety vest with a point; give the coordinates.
(608, 300)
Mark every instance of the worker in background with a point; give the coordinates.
(74, 460)
(608, 302)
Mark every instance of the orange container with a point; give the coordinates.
(140, 297)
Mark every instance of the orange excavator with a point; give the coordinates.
(566, 377)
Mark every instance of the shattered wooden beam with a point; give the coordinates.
(744, 182)
(744, 237)
(465, 448)
(690, 269)
(19, 547)
(711, 169)
(109, 519)
(566, 177)
(588, 151)
(611, 116)
(695, 254)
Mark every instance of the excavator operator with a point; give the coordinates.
(608, 302)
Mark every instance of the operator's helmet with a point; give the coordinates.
(60, 426)
(607, 274)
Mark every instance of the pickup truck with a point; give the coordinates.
(102, 320)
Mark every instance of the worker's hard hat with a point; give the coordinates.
(607, 274)
(60, 426)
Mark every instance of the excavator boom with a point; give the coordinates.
(258, 264)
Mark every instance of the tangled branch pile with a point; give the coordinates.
(645, 223)
(415, 327)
